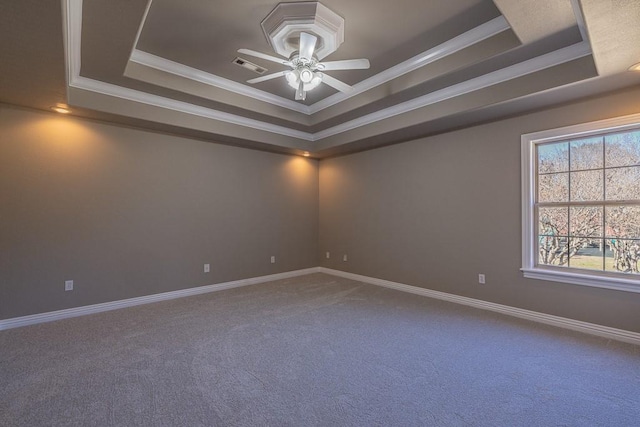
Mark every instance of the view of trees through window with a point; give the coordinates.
(588, 203)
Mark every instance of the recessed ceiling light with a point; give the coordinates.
(61, 108)
(306, 154)
(635, 67)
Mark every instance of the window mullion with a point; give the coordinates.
(604, 206)
(590, 203)
(569, 208)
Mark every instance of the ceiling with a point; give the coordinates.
(436, 65)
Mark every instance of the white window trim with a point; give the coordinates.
(529, 142)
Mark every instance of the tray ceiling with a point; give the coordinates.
(436, 65)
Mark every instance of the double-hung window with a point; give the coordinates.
(581, 204)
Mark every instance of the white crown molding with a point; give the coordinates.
(184, 107)
(582, 26)
(131, 302)
(73, 32)
(469, 38)
(144, 20)
(181, 70)
(562, 322)
(72, 15)
(72, 21)
(175, 68)
(521, 69)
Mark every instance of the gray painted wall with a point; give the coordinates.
(436, 212)
(126, 213)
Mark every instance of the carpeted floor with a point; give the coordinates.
(314, 350)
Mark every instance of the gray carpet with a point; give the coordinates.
(313, 350)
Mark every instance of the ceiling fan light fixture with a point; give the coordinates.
(306, 75)
(294, 77)
(307, 72)
(315, 82)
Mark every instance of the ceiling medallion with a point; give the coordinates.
(282, 27)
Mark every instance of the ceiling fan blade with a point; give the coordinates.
(307, 45)
(267, 77)
(264, 56)
(347, 64)
(335, 83)
(300, 93)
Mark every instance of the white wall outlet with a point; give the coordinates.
(481, 279)
(328, 255)
(273, 259)
(207, 268)
(344, 258)
(68, 285)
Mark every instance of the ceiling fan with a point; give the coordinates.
(306, 71)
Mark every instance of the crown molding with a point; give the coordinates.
(72, 17)
(539, 63)
(582, 26)
(153, 61)
(72, 31)
(109, 89)
(139, 32)
(72, 10)
(464, 40)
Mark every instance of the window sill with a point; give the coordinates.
(616, 283)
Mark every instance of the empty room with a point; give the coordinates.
(319, 213)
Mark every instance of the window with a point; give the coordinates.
(581, 204)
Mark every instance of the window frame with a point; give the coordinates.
(529, 141)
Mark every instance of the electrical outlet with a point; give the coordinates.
(328, 255)
(481, 279)
(273, 259)
(68, 285)
(207, 268)
(344, 258)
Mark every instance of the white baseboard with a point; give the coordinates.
(114, 305)
(562, 322)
